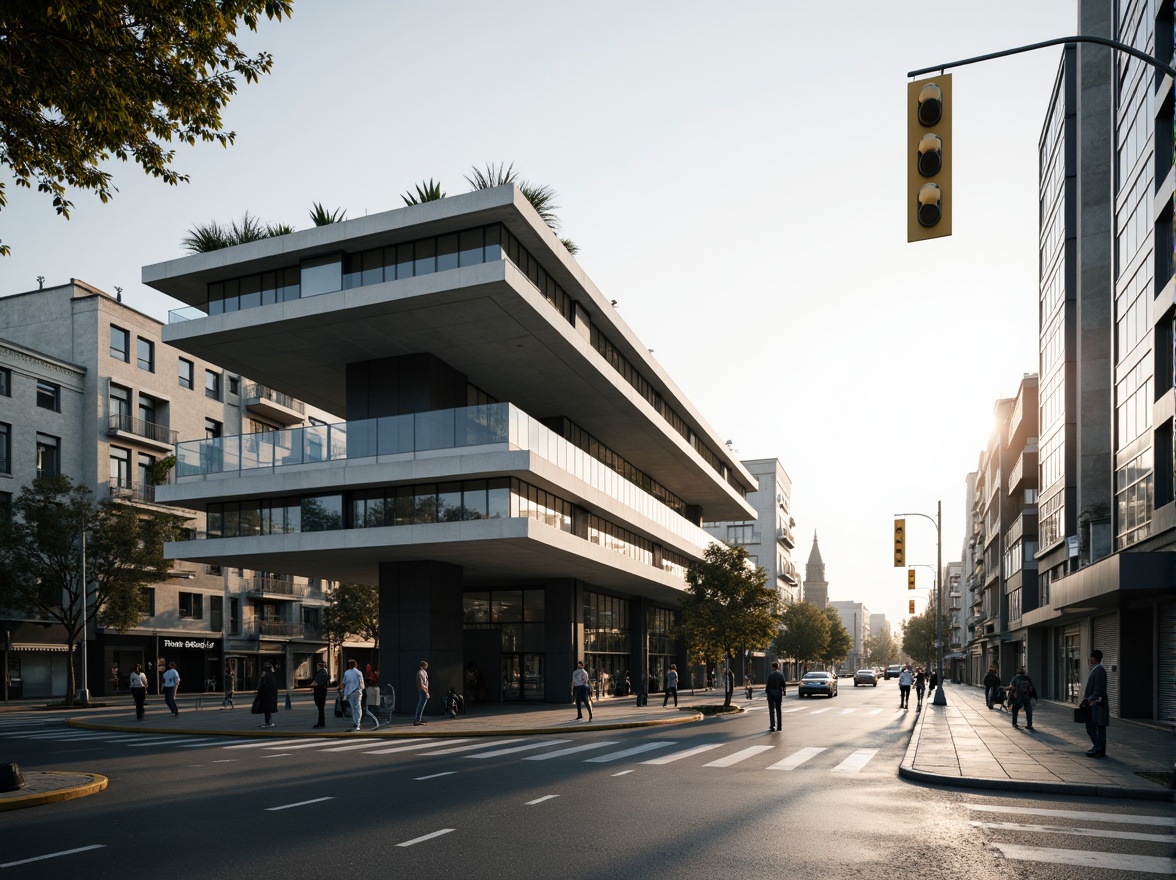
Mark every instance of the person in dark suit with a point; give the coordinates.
(991, 686)
(266, 703)
(321, 680)
(1095, 697)
(775, 688)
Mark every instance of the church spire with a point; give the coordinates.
(815, 555)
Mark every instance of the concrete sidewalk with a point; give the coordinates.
(966, 744)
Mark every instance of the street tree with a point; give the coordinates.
(354, 612)
(918, 636)
(804, 634)
(84, 81)
(839, 643)
(41, 559)
(881, 649)
(727, 605)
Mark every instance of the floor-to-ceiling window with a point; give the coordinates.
(606, 641)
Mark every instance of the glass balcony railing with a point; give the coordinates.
(499, 424)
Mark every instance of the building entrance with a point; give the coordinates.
(522, 677)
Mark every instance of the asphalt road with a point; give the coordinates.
(820, 799)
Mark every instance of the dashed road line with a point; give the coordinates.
(64, 852)
(546, 797)
(425, 837)
(298, 804)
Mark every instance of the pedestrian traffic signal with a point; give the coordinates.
(929, 158)
(899, 543)
(910, 578)
(912, 606)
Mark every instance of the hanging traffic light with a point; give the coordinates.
(929, 158)
(910, 578)
(911, 605)
(899, 543)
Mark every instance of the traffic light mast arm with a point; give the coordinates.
(1057, 41)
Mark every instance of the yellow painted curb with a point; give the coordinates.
(97, 783)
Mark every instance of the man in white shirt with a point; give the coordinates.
(905, 679)
(171, 684)
(422, 683)
(580, 690)
(353, 690)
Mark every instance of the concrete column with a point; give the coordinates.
(563, 637)
(639, 645)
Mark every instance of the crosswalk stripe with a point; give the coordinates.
(219, 742)
(625, 753)
(847, 711)
(523, 748)
(797, 758)
(741, 755)
(1085, 858)
(1116, 834)
(480, 745)
(161, 741)
(875, 712)
(414, 744)
(351, 746)
(263, 744)
(793, 709)
(559, 753)
(678, 756)
(819, 711)
(855, 762)
(1119, 818)
(313, 744)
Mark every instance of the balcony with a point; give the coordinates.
(159, 436)
(273, 405)
(122, 490)
(270, 588)
(278, 629)
(784, 536)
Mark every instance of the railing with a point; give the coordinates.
(257, 391)
(125, 491)
(785, 534)
(140, 428)
(498, 424)
(188, 313)
(278, 628)
(276, 587)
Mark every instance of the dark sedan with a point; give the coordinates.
(818, 683)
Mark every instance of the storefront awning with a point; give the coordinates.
(31, 646)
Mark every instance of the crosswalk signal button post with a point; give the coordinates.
(929, 158)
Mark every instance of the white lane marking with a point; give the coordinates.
(819, 711)
(64, 852)
(559, 753)
(425, 744)
(224, 761)
(545, 797)
(855, 762)
(353, 746)
(793, 709)
(875, 712)
(797, 758)
(426, 837)
(299, 804)
(212, 744)
(1116, 834)
(1085, 858)
(625, 753)
(173, 741)
(433, 776)
(1119, 818)
(623, 773)
(314, 744)
(738, 756)
(753, 708)
(264, 744)
(279, 755)
(678, 756)
(522, 748)
(480, 745)
(847, 711)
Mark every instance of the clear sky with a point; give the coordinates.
(734, 175)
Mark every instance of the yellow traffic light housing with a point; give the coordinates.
(912, 606)
(899, 543)
(929, 158)
(910, 578)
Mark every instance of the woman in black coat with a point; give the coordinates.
(266, 702)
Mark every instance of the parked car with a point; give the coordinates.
(818, 683)
(893, 671)
(865, 676)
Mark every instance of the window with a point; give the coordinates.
(192, 605)
(146, 463)
(187, 373)
(120, 344)
(120, 467)
(234, 617)
(120, 408)
(146, 355)
(216, 613)
(148, 596)
(48, 456)
(48, 395)
(212, 429)
(5, 507)
(5, 448)
(5, 383)
(234, 385)
(212, 385)
(147, 413)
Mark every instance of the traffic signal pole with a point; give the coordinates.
(1056, 41)
(940, 699)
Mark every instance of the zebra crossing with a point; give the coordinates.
(653, 753)
(1020, 840)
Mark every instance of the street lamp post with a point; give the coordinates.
(940, 699)
(84, 690)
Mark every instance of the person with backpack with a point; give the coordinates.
(1021, 694)
(991, 686)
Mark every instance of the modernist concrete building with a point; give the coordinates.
(855, 617)
(519, 477)
(88, 389)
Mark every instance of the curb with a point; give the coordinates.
(96, 784)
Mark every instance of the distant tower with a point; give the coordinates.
(816, 588)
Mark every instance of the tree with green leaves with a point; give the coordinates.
(85, 81)
(918, 636)
(426, 191)
(214, 236)
(804, 634)
(354, 612)
(42, 573)
(839, 643)
(322, 216)
(727, 605)
(881, 649)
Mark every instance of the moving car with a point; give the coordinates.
(893, 671)
(865, 676)
(818, 683)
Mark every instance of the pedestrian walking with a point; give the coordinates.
(320, 693)
(671, 686)
(171, 686)
(774, 688)
(933, 680)
(352, 688)
(230, 687)
(991, 686)
(138, 682)
(920, 686)
(581, 691)
(1095, 697)
(1021, 695)
(422, 684)
(266, 701)
(905, 679)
